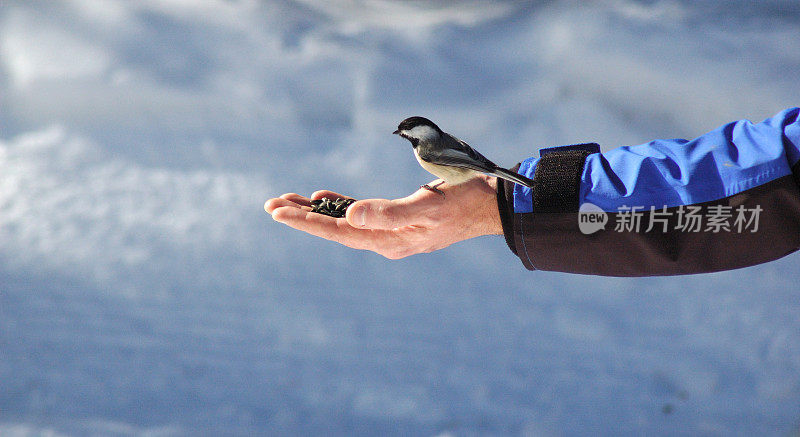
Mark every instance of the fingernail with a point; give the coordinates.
(360, 216)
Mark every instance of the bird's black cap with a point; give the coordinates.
(412, 122)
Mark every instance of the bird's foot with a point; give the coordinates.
(434, 188)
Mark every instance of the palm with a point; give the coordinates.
(421, 222)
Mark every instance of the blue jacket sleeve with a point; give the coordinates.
(725, 178)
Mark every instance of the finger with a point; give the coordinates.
(278, 202)
(388, 214)
(327, 193)
(296, 198)
(330, 228)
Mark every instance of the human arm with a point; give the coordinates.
(741, 170)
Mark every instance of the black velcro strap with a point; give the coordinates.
(556, 182)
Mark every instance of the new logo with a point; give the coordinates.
(591, 218)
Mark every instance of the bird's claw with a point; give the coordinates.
(433, 188)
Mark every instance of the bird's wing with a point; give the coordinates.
(457, 153)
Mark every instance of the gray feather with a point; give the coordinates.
(513, 177)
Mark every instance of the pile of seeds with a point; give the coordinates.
(334, 208)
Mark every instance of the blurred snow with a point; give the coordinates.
(143, 290)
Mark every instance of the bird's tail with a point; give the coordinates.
(511, 176)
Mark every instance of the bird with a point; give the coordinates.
(448, 158)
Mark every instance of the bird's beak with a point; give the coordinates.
(397, 132)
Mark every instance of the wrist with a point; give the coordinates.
(488, 217)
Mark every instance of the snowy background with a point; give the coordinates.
(144, 291)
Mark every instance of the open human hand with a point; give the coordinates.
(422, 222)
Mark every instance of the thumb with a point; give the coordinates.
(379, 214)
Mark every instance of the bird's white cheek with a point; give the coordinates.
(423, 133)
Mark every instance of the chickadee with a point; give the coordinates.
(449, 158)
